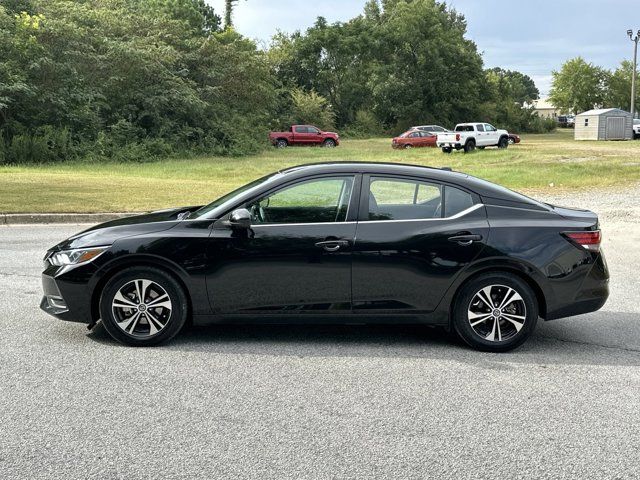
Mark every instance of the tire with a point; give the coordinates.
(503, 142)
(470, 146)
(511, 141)
(131, 324)
(282, 143)
(329, 143)
(488, 334)
(447, 149)
(408, 147)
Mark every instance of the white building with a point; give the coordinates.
(604, 124)
(545, 109)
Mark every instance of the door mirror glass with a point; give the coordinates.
(240, 218)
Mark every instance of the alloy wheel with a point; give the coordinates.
(496, 313)
(141, 308)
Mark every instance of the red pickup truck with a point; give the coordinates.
(304, 135)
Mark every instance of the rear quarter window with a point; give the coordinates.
(456, 201)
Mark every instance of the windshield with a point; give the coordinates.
(218, 206)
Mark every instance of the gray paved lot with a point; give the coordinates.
(317, 402)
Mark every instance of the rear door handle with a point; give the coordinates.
(333, 245)
(465, 240)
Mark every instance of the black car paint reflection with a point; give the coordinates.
(388, 270)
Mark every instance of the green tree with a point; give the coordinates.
(309, 107)
(128, 79)
(406, 61)
(197, 13)
(619, 87)
(579, 86)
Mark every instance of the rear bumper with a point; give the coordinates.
(591, 296)
(456, 145)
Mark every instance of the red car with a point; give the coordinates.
(304, 135)
(414, 138)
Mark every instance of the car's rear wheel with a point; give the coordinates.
(495, 312)
(329, 143)
(407, 147)
(470, 146)
(143, 306)
(447, 149)
(282, 143)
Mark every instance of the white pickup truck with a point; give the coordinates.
(468, 136)
(636, 128)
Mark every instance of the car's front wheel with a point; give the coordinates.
(329, 143)
(495, 312)
(143, 306)
(503, 142)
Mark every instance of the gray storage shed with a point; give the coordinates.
(604, 124)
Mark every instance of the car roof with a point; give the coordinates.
(474, 184)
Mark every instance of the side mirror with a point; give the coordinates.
(240, 218)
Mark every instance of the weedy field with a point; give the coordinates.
(540, 164)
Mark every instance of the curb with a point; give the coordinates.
(44, 218)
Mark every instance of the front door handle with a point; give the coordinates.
(333, 245)
(465, 240)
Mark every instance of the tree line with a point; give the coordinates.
(579, 86)
(143, 79)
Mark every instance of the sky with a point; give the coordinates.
(533, 37)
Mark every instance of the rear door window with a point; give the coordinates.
(400, 199)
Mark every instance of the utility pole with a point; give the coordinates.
(633, 73)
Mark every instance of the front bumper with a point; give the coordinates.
(66, 293)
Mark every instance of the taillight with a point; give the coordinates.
(589, 240)
(457, 137)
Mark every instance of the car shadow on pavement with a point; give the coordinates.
(605, 338)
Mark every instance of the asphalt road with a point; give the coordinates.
(317, 402)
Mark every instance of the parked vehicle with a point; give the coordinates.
(513, 138)
(567, 121)
(435, 129)
(348, 242)
(414, 138)
(468, 136)
(636, 128)
(304, 135)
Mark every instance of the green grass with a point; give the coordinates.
(532, 167)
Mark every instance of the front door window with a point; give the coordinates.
(321, 200)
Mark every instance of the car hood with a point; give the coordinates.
(108, 232)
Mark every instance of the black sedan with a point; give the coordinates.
(337, 242)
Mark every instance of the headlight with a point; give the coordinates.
(75, 257)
